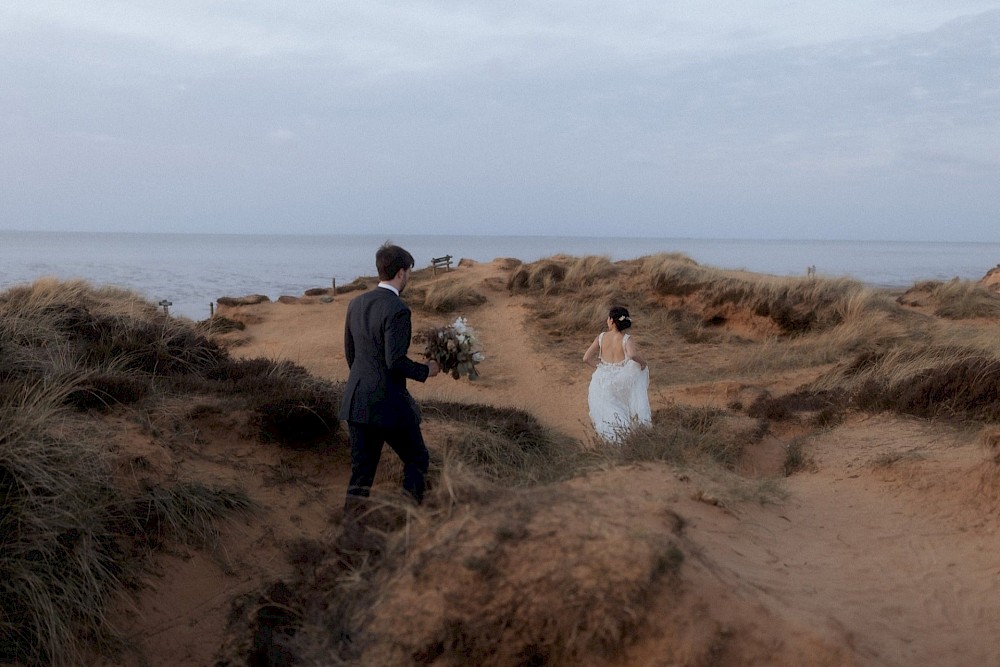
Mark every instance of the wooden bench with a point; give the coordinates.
(441, 263)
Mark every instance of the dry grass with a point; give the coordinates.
(544, 276)
(827, 405)
(186, 511)
(861, 331)
(670, 293)
(98, 328)
(973, 336)
(674, 275)
(349, 600)
(124, 352)
(923, 379)
(796, 305)
(486, 566)
(59, 569)
(505, 446)
(49, 295)
(74, 540)
(688, 436)
(446, 296)
(590, 271)
(71, 537)
(497, 462)
(967, 388)
(594, 283)
(956, 299)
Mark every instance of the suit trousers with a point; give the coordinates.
(366, 450)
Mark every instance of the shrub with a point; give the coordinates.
(967, 388)
(59, 568)
(543, 276)
(102, 391)
(71, 541)
(795, 459)
(591, 270)
(188, 511)
(505, 445)
(67, 531)
(220, 324)
(804, 400)
(287, 405)
(962, 299)
(298, 418)
(685, 435)
(673, 275)
(450, 297)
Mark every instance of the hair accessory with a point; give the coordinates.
(622, 318)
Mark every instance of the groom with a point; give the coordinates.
(376, 406)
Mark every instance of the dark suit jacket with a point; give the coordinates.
(376, 339)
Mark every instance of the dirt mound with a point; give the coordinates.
(577, 574)
(920, 295)
(529, 582)
(992, 279)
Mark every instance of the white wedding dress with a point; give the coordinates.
(618, 397)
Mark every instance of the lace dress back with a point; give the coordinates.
(618, 395)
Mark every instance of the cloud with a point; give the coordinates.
(559, 115)
(281, 135)
(177, 26)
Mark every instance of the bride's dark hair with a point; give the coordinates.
(620, 317)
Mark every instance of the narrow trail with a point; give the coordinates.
(517, 372)
(905, 573)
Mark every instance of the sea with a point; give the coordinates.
(191, 271)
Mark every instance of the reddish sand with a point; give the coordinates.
(884, 552)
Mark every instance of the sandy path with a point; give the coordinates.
(895, 567)
(516, 372)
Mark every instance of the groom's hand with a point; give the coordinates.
(434, 368)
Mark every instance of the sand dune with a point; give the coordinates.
(877, 547)
(881, 552)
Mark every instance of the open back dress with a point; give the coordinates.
(619, 395)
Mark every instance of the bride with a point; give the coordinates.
(618, 389)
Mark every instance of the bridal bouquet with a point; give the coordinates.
(455, 348)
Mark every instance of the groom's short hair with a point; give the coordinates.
(390, 259)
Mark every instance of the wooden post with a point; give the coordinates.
(211, 309)
(166, 306)
(333, 286)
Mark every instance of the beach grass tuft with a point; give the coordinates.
(447, 295)
(73, 540)
(505, 446)
(683, 435)
(964, 299)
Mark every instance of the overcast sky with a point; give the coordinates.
(873, 119)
